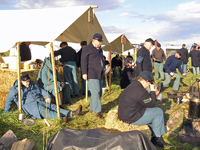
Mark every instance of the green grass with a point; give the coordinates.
(39, 131)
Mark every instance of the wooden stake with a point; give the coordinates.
(19, 77)
(110, 69)
(55, 79)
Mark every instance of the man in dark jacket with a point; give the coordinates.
(195, 54)
(170, 66)
(92, 66)
(69, 59)
(184, 58)
(136, 106)
(143, 62)
(25, 51)
(32, 102)
(116, 63)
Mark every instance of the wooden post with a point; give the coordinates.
(55, 79)
(19, 76)
(123, 41)
(110, 69)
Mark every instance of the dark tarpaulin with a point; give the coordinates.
(96, 139)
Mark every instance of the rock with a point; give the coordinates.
(25, 144)
(7, 140)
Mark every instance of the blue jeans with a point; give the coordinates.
(168, 80)
(70, 72)
(52, 112)
(154, 118)
(96, 92)
(115, 72)
(195, 70)
(158, 67)
(184, 67)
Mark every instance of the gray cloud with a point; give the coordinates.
(4, 2)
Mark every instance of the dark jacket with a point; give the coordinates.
(79, 58)
(143, 62)
(30, 97)
(67, 54)
(159, 55)
(171, 64)
(91, 62)
(25, 52)
(195, 54)
(116, 62)
(184, 56)
(126, 77)
(133, 102)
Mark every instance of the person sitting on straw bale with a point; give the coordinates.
(126, 75)
(46, 81)
(32, 102)
(136, 106)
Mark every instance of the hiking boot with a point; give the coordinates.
(76, 112)
(98, 115)
(159, 141)
(76, 95)
(72, 96)
(91, 111)
(175, 92)
(65, 119)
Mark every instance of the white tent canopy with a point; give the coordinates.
(117, 45)
(41, 26)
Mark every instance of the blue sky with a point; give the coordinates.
(170, 22)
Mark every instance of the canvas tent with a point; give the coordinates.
(41, 26)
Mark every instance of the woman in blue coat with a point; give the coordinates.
(32, 102)
(45, 81)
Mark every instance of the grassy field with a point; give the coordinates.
(39, 132)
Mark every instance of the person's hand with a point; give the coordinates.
(171, 74)
(184, 75)
(48, 100)
(85, 76)
(152, 87)
(62, 84)
(157, 92)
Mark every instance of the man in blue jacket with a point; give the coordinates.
(170, 66)
(32, 102)
(92, 67)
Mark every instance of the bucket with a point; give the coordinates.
(194, 108)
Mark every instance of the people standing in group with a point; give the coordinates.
(143, 61)
(136, 106)
(25, 51)
(127, 72)
(172, 63)
(184, 58)
(83, 44)
(116, 63)
(92, 66)
(158, 56)
(46, 81)
(69, 59)
(195, 54)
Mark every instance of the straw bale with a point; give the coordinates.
(112, 122)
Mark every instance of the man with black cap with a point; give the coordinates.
(116, 63)
(158, 56)
(195, 54)
(92, 67)
(136, 106)
(170, 66)
(69, 59)
(32, 102)
(184, 58)
(143, 62)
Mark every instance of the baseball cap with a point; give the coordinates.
(148, 76)
(98, 36)
(150, 40)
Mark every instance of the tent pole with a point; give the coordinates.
(19, 76)
(123, 41)
(55, 79)
(109, 54)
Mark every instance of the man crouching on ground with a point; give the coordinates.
(32, 102)
(136, 106)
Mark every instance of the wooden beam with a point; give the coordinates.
(110, 69)
(55, 79)
(19, 77)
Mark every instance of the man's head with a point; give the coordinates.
(148, 43)
(183, 46)
(199, 48)
(63, 44)
(158, 46)
(129, 53)
(127, 63)
(146, 78)
(83, 44)
(97, 40)
(117, 56)
(178, 54)
(25, 80)
(194, 47)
